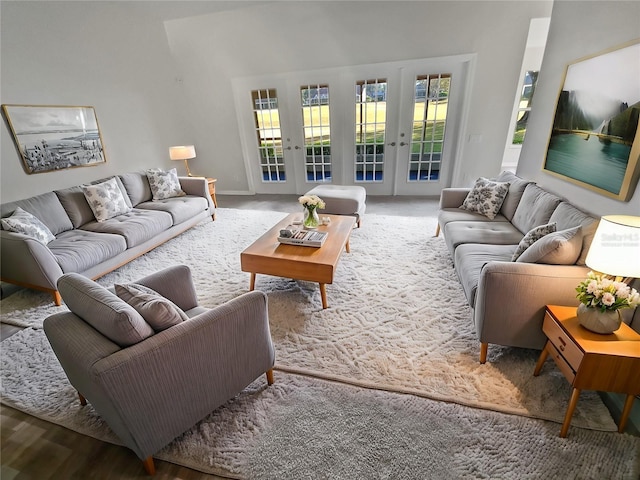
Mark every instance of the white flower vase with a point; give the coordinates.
(599, 322)
(311, 218)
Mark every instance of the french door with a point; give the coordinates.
(391, 128)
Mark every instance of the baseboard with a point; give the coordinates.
(615, 402)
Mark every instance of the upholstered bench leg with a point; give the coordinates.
(270, 376)
(484, 348)
(438, 230)
(83, 401)
(149, 466)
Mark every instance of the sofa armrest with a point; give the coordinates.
(165, 384)
(174, 283)
(511, 300)
(198, 187)
(26, 261)
(453, 197)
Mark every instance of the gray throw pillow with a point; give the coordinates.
(23, 222)
(557, 248)
(532, 237)
(101, 309)
(158, 311)
(486, 197)
(164, 184)
(105, 199)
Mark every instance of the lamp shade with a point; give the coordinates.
(182, 152)
(615, 249)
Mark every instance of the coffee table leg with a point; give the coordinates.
(323, 294)
(347, 247)
(252, 282)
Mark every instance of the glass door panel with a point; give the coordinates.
(267, 128)
(370, 130)
(431, 96)
(316, 127)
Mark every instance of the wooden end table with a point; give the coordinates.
(212, 190)
(591, 361)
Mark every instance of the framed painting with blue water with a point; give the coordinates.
(594, 141)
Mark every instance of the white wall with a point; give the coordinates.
(282, 37)
(577, 29)
(102, 54)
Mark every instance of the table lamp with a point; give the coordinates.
(615, 249)
(183, 152)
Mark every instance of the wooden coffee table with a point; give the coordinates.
(269, 257)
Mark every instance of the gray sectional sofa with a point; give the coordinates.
(508, 297)
(90, 247)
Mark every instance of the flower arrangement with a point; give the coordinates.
(605, 294)
(311, 202)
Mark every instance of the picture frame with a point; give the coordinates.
(595, 139)
(53, 137)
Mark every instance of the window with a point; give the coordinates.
(524, 107)
(316, 132)
(267, 125)
(371, 120)
(431, 99)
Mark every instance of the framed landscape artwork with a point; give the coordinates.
(55, 137)
(594, 141)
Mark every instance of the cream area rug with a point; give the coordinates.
(397, 317)
(308, 428)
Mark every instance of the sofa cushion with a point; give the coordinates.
(486, 197)
(180, 208)
(78, 250)
(164, 184)
(469, 260)
(448, 215)
(103, 310)
(158, 311)
(531, 237)
(567, 216)
(137, 186)
(106, 199)
(27, 224)
(516, 189)
(535, 208)
(46, 207)
(136, 226)
(557, 248)
(485, 233)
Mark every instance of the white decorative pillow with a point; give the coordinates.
(558, 248)
(23, 222)
(532, 237)
(158, 311)
(164, 184)
(486, 197)
(105, 199)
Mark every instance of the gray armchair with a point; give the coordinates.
(151, 386)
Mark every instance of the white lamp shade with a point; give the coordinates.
(182, 152)
(615, 249)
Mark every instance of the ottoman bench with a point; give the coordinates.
(342, 200)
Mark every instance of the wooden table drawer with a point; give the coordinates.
(562, 364)
(562, 342)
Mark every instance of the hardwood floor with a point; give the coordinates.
(32, 449)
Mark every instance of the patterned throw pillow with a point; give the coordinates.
(105, 199)
(158, 311)
(164, 184)
(486, 197)
(23, 222)
(532, 237)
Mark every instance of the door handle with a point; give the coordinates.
(402, 144)
(392, 144)
(296, 147)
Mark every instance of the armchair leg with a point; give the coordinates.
(484, 348)
(270, 376)
(83, 401)
(438, 231)
(57, 298)
(148, 465)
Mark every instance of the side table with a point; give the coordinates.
(591, 361)
(212, 190)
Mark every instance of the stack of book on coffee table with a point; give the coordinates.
(295, 235)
